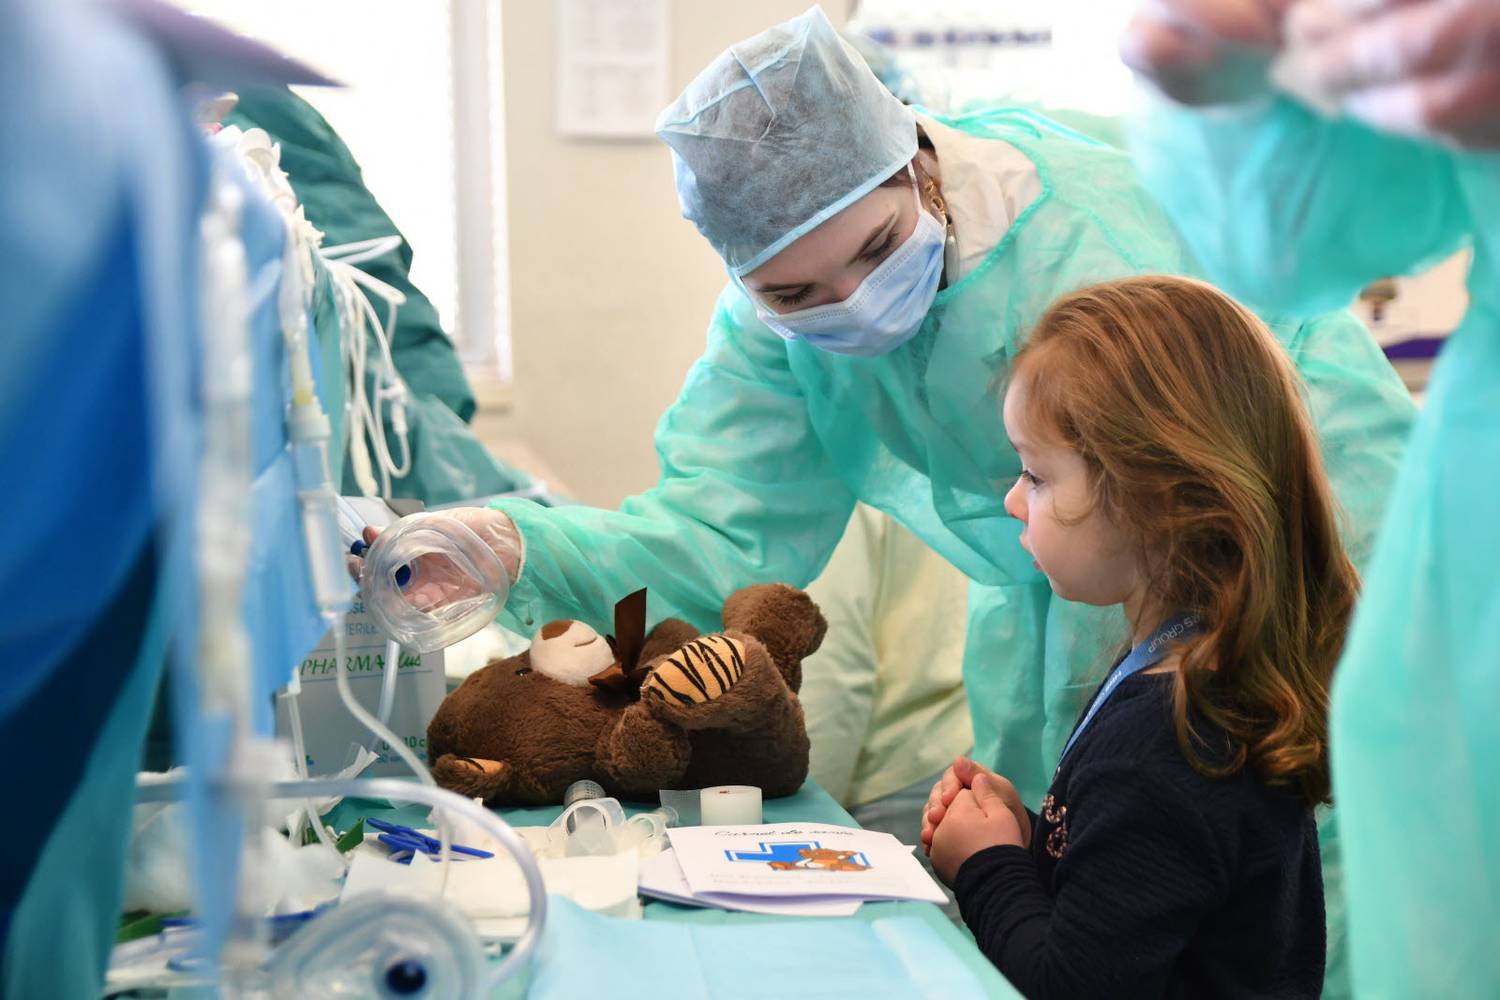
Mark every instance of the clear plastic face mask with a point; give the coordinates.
(430, 581)
(385, 946)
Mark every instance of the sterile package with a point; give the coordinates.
(329, 730)
(492, 891)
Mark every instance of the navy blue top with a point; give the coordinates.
(1145, 878)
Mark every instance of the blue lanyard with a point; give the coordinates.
(1147, 654)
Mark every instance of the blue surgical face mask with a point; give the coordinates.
(887, 308)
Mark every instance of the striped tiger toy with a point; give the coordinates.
(699, 672)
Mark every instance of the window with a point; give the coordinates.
(422, 112)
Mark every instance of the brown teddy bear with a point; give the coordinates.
(637, 713)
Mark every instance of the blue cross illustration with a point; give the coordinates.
(786, 851)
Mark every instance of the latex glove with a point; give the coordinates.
(979, 818)
(1415, 67)
(959, 776)
(1205, 51)
(436, 582)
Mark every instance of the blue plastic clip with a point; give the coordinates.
(402, 839)
(403, 573)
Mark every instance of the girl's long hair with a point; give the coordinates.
(1191, 422)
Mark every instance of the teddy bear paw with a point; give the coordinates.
(471, 776)
(699, 673)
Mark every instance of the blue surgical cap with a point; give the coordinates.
(779, 133)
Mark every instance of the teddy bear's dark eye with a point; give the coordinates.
(522, 671)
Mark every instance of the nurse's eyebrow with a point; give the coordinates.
(876, 237)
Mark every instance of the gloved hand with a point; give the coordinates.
(436, 581)
(1415, 67)
(1205, 51)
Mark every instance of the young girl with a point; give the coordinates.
(1169, 467)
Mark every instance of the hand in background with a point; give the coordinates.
(1205, 51)
(1428, 68)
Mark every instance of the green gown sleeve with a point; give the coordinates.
(1293, 212)
(747, 494)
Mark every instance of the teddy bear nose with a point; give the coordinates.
(552, 630)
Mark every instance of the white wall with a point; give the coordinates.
(611, 289)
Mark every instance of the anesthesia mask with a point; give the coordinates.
(429, 581)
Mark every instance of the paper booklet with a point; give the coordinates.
(662, 878)
(799, 860)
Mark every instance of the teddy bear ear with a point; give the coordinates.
(783, 618)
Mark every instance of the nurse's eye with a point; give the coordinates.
(875, 253)
(783, 299)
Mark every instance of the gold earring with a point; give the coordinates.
(936, 200)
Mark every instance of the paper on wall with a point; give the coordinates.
(612, 67)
